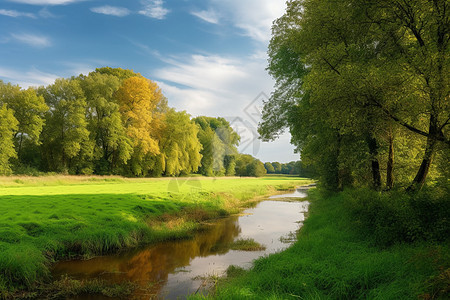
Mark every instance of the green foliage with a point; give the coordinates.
(395, 217)
(112, 121)
(357, 81)
(8, 125)
(269, 168)
(112, 146)
(29, 109)
(119, 73)
(180, 147)
(247, 165)
(65, 139)
(219, 142)
(291, 168)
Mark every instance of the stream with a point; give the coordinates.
(175, 269)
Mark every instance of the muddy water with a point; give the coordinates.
(174, 269)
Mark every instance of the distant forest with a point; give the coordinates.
(113, 121)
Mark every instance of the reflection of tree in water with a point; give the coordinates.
(154, 263)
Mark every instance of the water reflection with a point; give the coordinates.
(172, 269)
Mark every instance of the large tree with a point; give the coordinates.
(348, 71)
(66, 145)
(112, 145)
(28, 108)
(179, 145)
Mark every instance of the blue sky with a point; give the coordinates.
(208, 56)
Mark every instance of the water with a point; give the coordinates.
(174, 269)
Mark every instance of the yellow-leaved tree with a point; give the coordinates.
(138, 99)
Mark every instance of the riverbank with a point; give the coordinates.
(337, 257)
(47, 219)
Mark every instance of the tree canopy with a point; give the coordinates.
(359, 80)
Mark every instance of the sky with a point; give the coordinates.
(208, 56)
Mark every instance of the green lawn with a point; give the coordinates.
(48, 218)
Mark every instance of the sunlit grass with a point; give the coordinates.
(47, 218)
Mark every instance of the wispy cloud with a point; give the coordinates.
(47, 2)
(213, 83)
(111, 10)
(16, 14)
(46, 14)
(255, 23)
(38, 41)
(27, 78)
(154, 9)
(209, 16)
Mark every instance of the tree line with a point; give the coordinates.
(363, 87)
(112, 121)
(291, 168)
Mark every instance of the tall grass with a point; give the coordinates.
(44, 219)
(333, 260)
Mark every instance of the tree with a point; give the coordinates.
(8, 125)
(256, 168)
(28, 108)
(138, 98)
(346, 71)
(119, 73)
(247, 165)
(66, 144)
(219, 146)
(112, 145)
(277, 167)
(179, 145)
(269, 167)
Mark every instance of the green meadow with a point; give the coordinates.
(44, 219)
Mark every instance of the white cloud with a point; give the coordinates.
(38, 41)
(25, 79)
(214, 85)
(209, 16)
(210, 73)
(46, 14)
(253, 17)
(15, 13)
(154, 9)
(111, 10)
(46, 2)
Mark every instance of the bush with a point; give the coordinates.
(394, 217)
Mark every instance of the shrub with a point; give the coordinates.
(393, 217)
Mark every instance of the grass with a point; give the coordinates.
(247, 245)
(332, 259)
(48, 218)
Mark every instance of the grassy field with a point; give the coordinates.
(334, 259)
(48, 218)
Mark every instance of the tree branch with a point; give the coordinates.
(439, 137)
(332, 67)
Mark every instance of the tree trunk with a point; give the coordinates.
(19, 151)
(375, 164)
(390, 164)
(430, 150)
